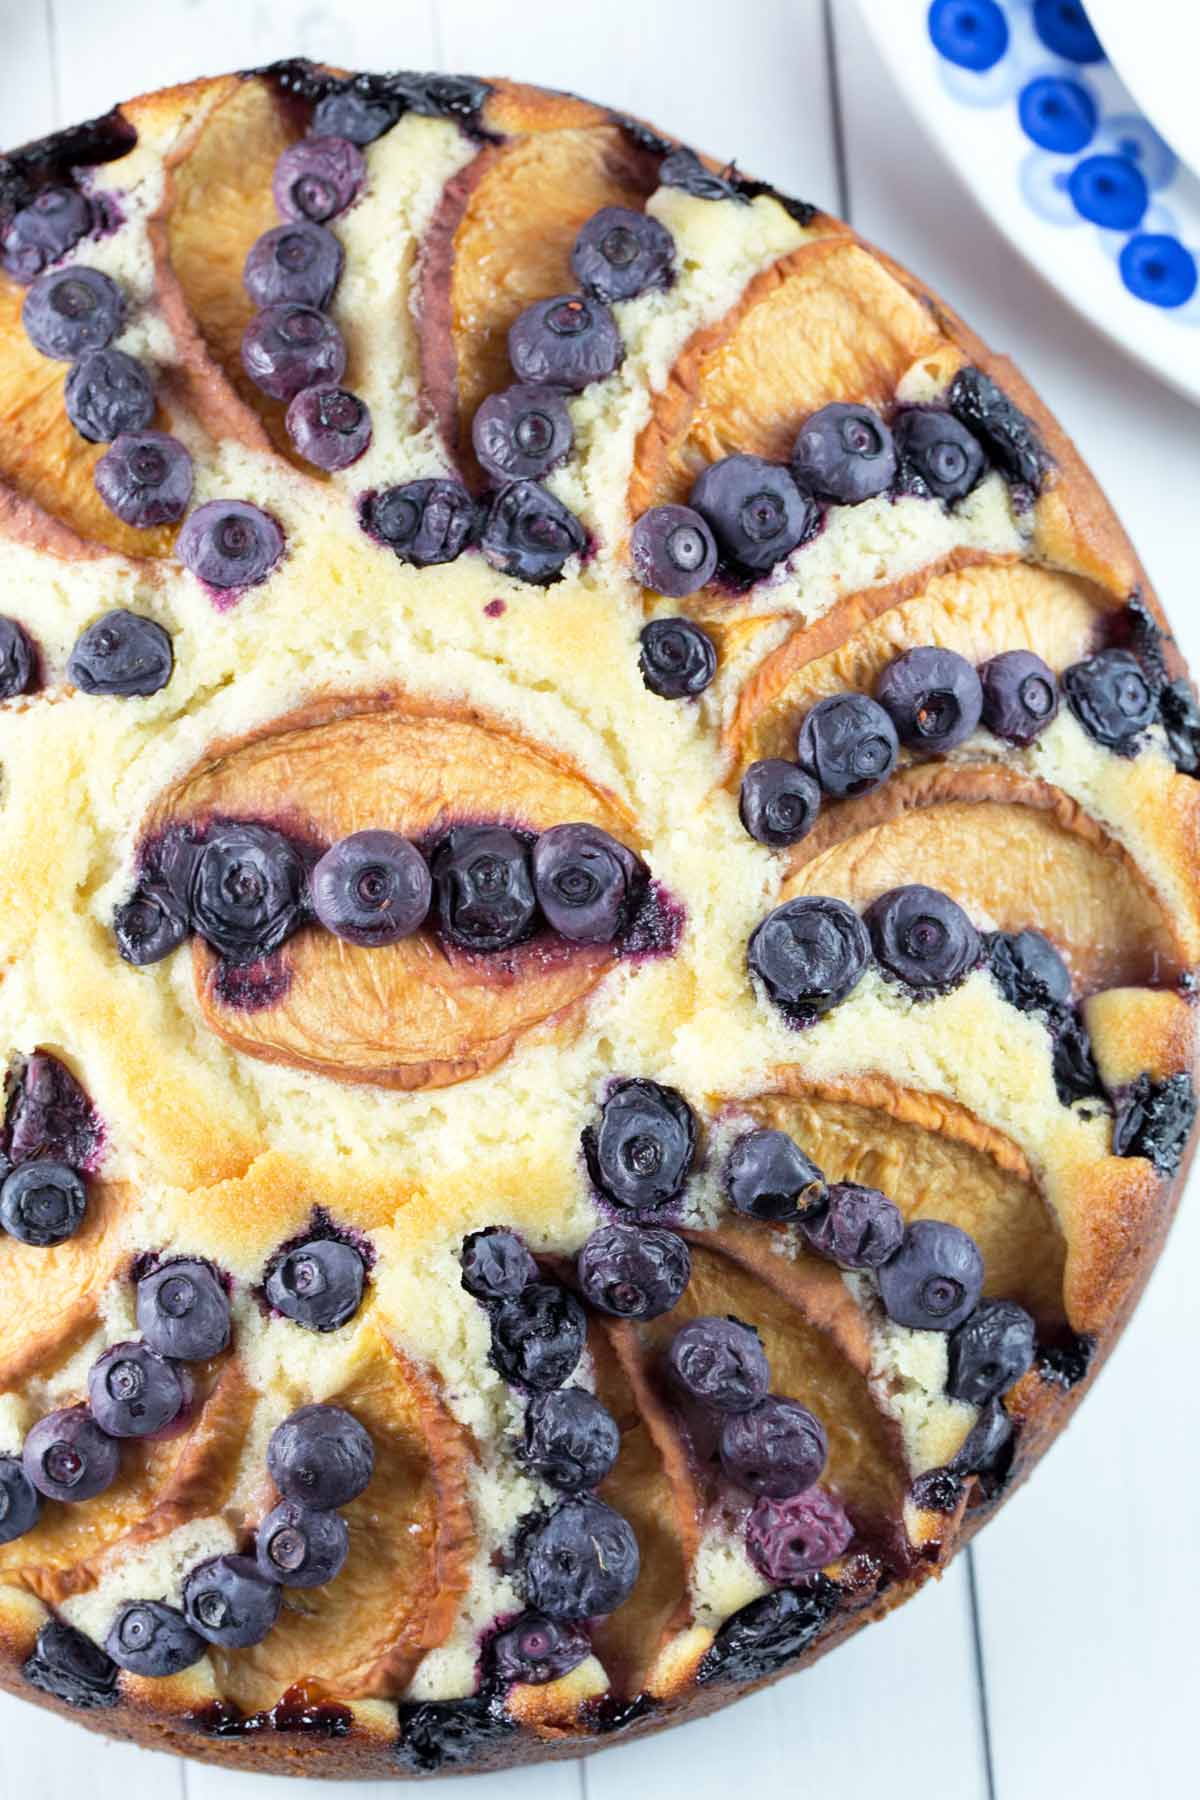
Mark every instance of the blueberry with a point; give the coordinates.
(49, 1115)
(719, 1362)
(1076, 1076)
(1005, 433)
(322, 1456)
(183, 1311)
(620, 253)
(484, 887)
(672, 551)
(371, 888)
(134, 1392)
(769, 1633)
(779, 802)
(496, 1264)
(42, 1203)
(778, 1448)
(641, 1152)
(229, 544)
(809, 953)
(123, 654)
(71, 310)
(228, 1602)
(1154, 1119)
(37, 235)
(299, 1547)
(147, 1637)
(448, 1734)
(571, 1440)
(522, 433)
(247, 891)
(683, 169)
(288, 347)
(848, 743)
(845, 453)
(756, 511)
(989, 1351)
(678, 660)
(18, 660)
(585, 882)
(317, 178)
(318, 1285)
(987, 1449)
(943, 455)
(538, 1335)
(1028, 970)
(358, 117)
(70, 1667)
(19, 1503)
(857, 1228)
(584, 1560)
(108, 393)
(423, 522)
(535, 1649)
(1177, 711)
(565, 342)
(529, 535)
(934, 698)
(922, 937)
(67, 1456)
(933, 1281)
(788, 1539)
(1020, 695)
(329, 426)
(1111, 698)
(145, 479)
(768, 1176)
(633, 1271)
(149, 925)
(300, 263)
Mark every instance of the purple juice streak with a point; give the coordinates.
(495, 609)
(252, 987)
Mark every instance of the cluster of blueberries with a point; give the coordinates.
(245, 888)
(51, 1139)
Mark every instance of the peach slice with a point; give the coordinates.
(397, 1595)
(49, 1299)
(417, 1013)
(1004, 845)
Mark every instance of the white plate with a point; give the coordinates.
(1036, 121)
(1155, 44)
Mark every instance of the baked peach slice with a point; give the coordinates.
(50, 1299)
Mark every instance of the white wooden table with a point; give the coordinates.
(1059, 1657)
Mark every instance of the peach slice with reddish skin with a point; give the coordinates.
(50, 1299)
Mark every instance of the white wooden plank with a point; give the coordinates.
(58, 1760)
(26, 72)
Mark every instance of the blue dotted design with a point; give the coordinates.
(1159, 269)
(1063, 27)
(1109, 191)
(1058, 115)
(972, 34)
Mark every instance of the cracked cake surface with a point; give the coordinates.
(599, 926)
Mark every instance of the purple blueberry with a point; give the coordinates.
(358, 117)
(149, 925)
(183, 1311)
(147, 1637)
(1111, 698)
(72, 1668)
(633, 1271)
(584, 1560)
(809, 953)
(18, 660)
(849, 744)
(484, 888)
(423, 522)
(778, 1448)
(529, 535)
(68, 311)
(37, 235)
(538, 1335)
(229, 544)
(299, 262)
(289, 347)
(49, 1115)
(564, 342)
(620, 253)
(943, 455)
(522, 433)
(672, 551)
(641, 1153)
(134, 1392)
(585, 882)
(1020, 695)
(42, 1203)
(934, 1280)
(496, 1264)
(108, 393)
(571, 1440)
(329, 426)
(145, 479)
(298, 1547)
(450, 1734)
(1004, 431)
(1076, 1076)
(1030, 973)
(922, 937)
(767, 1176)
(317, 178)
(1154, 1119)
(247, 891)
(228, 1602)
(318, 1285)
(719, 1362)
(933, 696)
(770, 1632)
(678, 660)
(989, 1351)
(857, 1228)
(19, 1503)
(845, 453)
(67, 1456)
(122, 654)
(322, 1456)
(535, 1649)
(779, 802)
(987, 1449)
(371, 888)
(789, 1539)
(755, 509)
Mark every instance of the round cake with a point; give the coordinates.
(599, 926)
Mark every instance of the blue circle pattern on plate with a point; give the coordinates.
(1095, 160)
